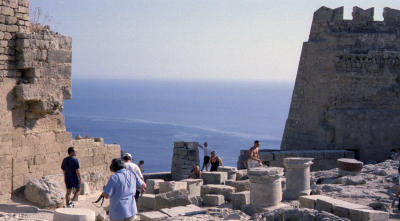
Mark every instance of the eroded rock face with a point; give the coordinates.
(45, 192)
(347, 89)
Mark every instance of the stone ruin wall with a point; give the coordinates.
(347, 90)
(35, 78)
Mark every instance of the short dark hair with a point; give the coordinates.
(141, 162)
(256, 142)
(116, 164)
(71, 150)
(212, 152)
(126, 158)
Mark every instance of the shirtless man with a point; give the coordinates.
(254, 160)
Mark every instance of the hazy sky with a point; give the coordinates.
(182, 39)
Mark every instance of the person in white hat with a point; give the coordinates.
(130, 166)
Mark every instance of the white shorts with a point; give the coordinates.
(252, 164)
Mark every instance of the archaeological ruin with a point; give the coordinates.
(347, 89)
(35, 78)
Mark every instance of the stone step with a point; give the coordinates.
(352, 211)
(188, 210)
(73, 214)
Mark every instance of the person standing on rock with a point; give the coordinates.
(215, 161)
(121, 189)
(254, 157)
(129, 165)
(207, 156)
(72, 176)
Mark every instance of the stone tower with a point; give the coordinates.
(35, 78)
(347, 91)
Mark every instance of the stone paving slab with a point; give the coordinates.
(153, 216)
(188, 210)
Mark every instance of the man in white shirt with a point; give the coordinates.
(207, 156)
(130, 166)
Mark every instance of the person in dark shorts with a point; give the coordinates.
(215, 161)
(206, 161)
(141, 166)
(72, 176)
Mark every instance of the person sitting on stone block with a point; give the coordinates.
(195, 173)
(121, 189)
(215, 161)
(254, 157)
(72, 176)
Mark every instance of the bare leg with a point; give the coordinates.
(67, 195)
(208, 164)
(202, 168)
(76, 194)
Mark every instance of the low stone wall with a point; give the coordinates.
(158, 175)
(323, 159)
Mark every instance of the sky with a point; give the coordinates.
(246, 40)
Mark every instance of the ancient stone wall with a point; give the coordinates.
(186, 154)
(35, 78)
(347, 88)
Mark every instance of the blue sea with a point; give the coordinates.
(145, 117)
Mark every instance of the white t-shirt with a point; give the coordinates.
(134, 168)
(207, 152)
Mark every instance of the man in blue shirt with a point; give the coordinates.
(121, 189)
(72, 176)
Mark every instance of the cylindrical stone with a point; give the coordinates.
(74, 214)
(297, 173)
(230, 170)
(265, 186)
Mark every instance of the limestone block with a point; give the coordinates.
(171, 199)
(153, 185)
(309, 201)
(73, 214)
(241, 174)
(188, 210)
(153, 216)
(172, 186)
(349, 166)
(85, 188)
(193, 186)
(343, 209)
(297, 177)
(218, 189)
(239, 199)
(147, 202)
(213, 200)
(231, 172)
(368, 215)
(214, 177)
(240, 185)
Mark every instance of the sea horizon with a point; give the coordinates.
(147, 116)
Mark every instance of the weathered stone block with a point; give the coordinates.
(153, 216)
(370, 215)
(239, 199)
(153, 185)
(240, 185)
(231, 172)
(188, 210)
(213, 200)
(193, 186)
(172, 199)
(218, 189)
(241, 174)
(147, 202)
(172, 186)
(214, 177)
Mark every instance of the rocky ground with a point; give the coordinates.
(375, 186)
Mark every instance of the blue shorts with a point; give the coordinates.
(70, 185)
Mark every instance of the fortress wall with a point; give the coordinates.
(35, 78)
(347, 89)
